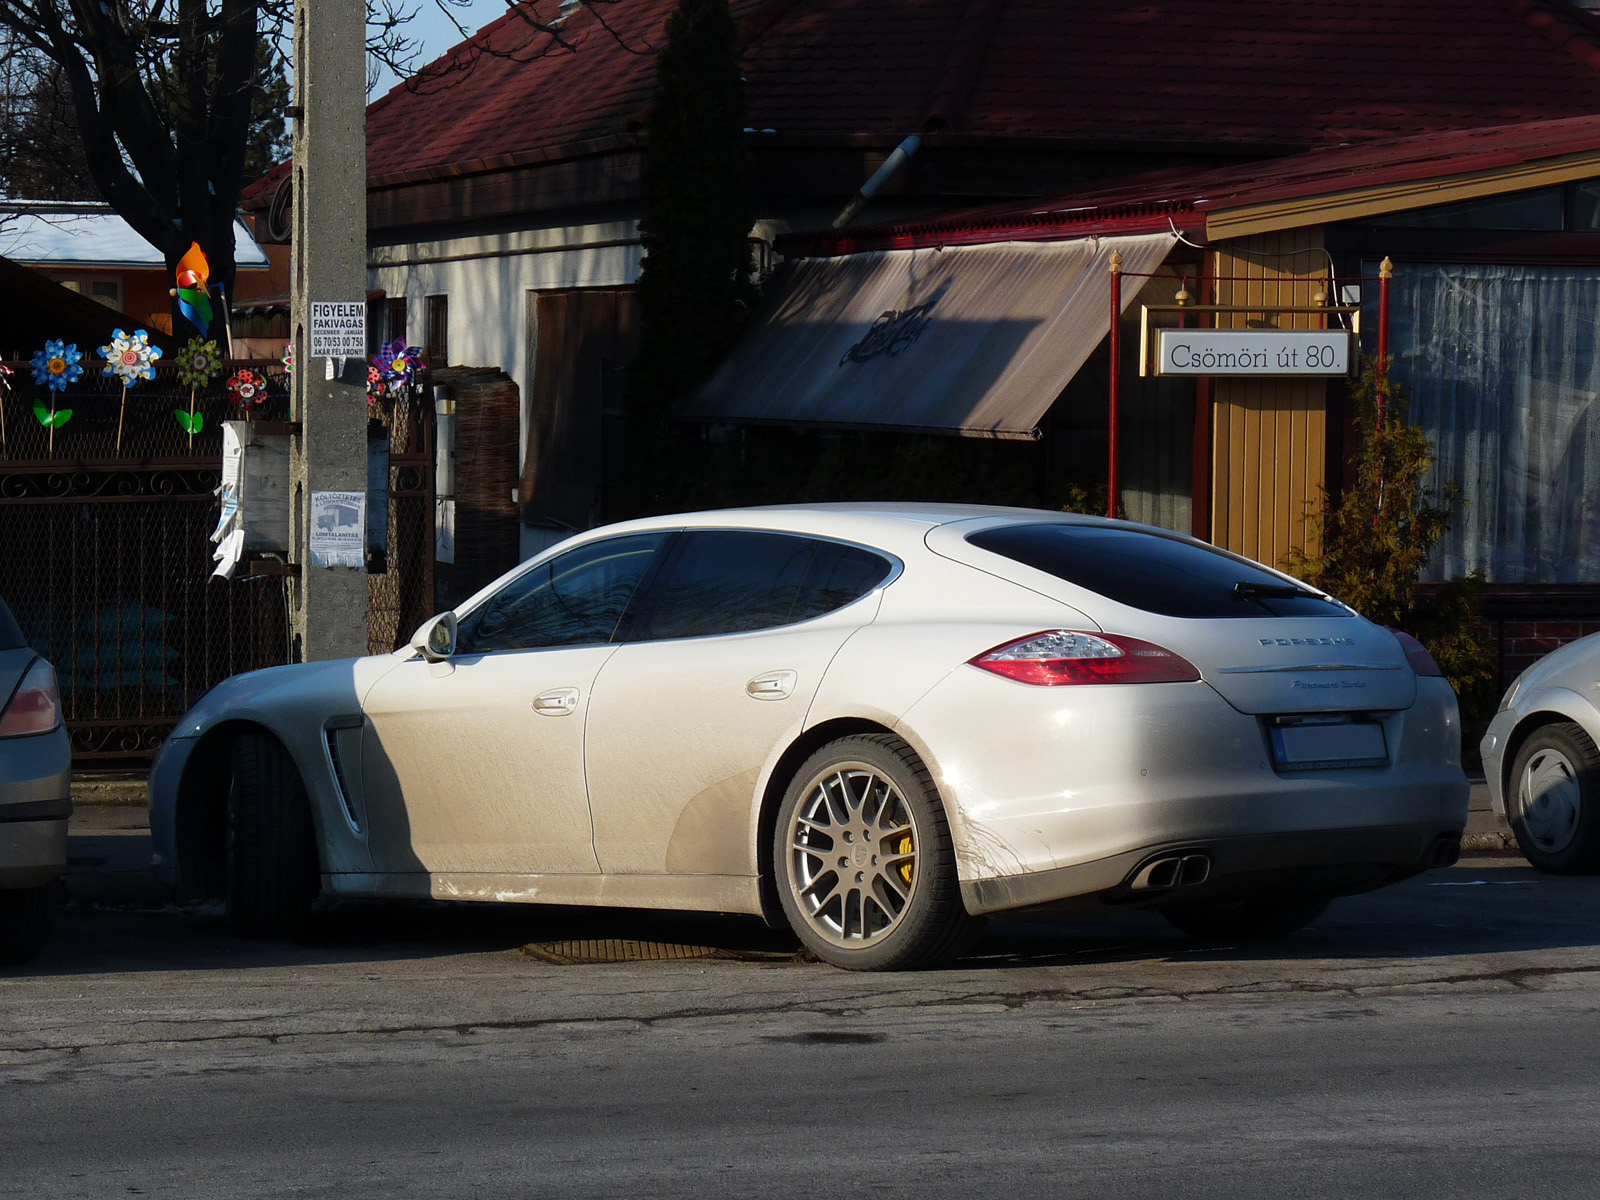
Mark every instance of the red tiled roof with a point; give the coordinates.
(1184, 198)
(1251, 75)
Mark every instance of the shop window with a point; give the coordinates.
(395, 326)
(107, 291)
(437, 350)
(1586, 206)
(1502, 364)
(1541, 209)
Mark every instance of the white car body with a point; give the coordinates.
(644, 773)
(1562, 688)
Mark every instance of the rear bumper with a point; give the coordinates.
(32, 852)
(1329, 863)
(35, 802)
(1077, 786)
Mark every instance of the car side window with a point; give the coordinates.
(736, 581)
(839, 575)
(575, 599)
(726, 581)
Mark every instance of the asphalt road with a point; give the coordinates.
(1440, 1038)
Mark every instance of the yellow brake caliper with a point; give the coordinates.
(905, 867)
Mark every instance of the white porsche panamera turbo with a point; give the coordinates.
(876, 723)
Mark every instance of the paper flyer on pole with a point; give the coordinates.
(338, 529)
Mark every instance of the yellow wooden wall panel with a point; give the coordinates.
(1270, 435)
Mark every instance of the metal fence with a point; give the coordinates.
(105, 552)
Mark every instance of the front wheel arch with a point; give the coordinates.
(200, 813)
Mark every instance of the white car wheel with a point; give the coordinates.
(272, 872)
(866, 873)
(27, 915)
(1554, 800)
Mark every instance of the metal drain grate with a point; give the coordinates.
(618, 950)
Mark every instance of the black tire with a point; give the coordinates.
(1553, 800)
(27, 915)
(272, 871)
(898, 905)
(1255, 919)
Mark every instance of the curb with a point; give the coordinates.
(125, 789)
(1489, 843)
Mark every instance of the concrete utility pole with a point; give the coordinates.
(328, 450)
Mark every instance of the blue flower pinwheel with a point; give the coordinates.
(57, 365)
(130, 357)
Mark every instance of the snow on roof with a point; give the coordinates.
(58, 234)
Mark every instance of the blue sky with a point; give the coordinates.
(433, 30)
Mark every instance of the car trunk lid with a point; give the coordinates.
(1266, 643)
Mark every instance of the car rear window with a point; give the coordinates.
(10, 636)
(1151, 571)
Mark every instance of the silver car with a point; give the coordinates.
(874, 723)
(1540, 760)
(35, 795)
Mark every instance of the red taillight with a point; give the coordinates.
(1070, 656)
(35, 706)
(1417, 655)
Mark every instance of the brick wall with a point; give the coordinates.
(1524, 641)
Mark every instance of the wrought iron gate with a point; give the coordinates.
(105, 554)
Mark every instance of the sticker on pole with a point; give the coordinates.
(339, 330)
(338, 529)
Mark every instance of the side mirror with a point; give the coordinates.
(436, 640)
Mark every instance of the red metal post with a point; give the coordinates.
(1116, 375)
(1385, 274)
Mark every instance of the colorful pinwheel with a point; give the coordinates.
(57, 365)
(288, 357)
(374, 385)
(398, 364)
(247, 389)
(193, 290)
(5, 382)
(130, 357)
(198, 364)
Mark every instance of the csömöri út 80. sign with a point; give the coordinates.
(1252, 352)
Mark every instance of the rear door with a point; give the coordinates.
(719, 667)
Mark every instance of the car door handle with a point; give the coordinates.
(774, 685)
(557, 702)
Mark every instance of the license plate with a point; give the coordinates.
(1321, 747)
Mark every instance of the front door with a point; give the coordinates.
(476, 764)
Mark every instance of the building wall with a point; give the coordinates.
(488, 276)
(1269, 436)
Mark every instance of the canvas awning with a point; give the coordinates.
(977, 340)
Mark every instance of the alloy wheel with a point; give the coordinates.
(853, 852)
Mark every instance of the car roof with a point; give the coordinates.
(848, 520)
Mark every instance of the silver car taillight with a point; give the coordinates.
(1067, 656)
(35, 706)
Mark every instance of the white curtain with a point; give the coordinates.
(1502, 368)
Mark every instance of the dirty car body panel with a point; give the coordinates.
(619, 721)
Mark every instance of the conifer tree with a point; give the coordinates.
(694, 288)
